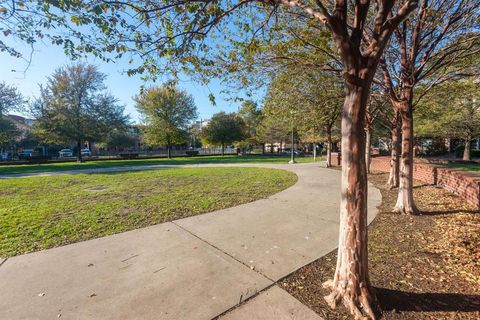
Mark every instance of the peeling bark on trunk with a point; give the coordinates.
(351, 283)
(466, 151)
(405, 203)
(393, 179)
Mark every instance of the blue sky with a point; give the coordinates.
(47, 58)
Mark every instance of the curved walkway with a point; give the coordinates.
(194, 268)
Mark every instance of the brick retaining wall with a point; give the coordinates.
(461, 183)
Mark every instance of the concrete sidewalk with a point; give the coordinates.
(194, 268)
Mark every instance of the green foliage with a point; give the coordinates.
(74, 107)
(450, 110)
(224, 128)
(167, 113)
(118, 139)
(252, 117)
(8, 131)
(10, 99)
(44, 212)
(309, 100)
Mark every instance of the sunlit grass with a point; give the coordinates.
(43, 212)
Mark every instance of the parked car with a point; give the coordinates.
(65, 153)
(25, 153)
(86, 153)
(287, 151)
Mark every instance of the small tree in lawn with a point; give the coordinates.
(451, 110)
(223, 129)
(74, 106)
(167, 113)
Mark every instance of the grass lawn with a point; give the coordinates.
(49, 167)
(473, 167)
(43, 212)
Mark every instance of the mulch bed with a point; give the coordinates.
(422, 267)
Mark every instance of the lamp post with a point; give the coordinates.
(292, 149)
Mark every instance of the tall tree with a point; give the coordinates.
(252, 116)
(459, 118)
(8, 132)
(426, 48)
(74, 106)
(223, 129)
(167, 113)
(10, 99)
(315, 98)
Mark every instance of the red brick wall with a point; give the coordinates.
(380, 164)
(336, 159)
(425, 172)
(459, 182)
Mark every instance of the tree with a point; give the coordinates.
(271, 131)
(167, 113)
(73, 106)
(309, 99)
(119, 139)
(8, 132)
(252, 117)
(459, 118)
(10, 99)
(375, 110)
(223, 129)
(426, 48)
(183, 35)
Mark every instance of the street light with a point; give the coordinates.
(292, 149)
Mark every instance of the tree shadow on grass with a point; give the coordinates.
(390, 300)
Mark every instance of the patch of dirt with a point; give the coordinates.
(422, 267)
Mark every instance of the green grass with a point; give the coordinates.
(473, 167)
(53, 167)
(43, 212)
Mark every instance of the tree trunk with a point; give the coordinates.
(329, 149)
(405, 203)
(393, 178)
(169, 151)
(368, 142)
(314, 152)
(263, 148)
(223, 149)
(79, 151)
(271, 147)
(466, 151)
(351, 283)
